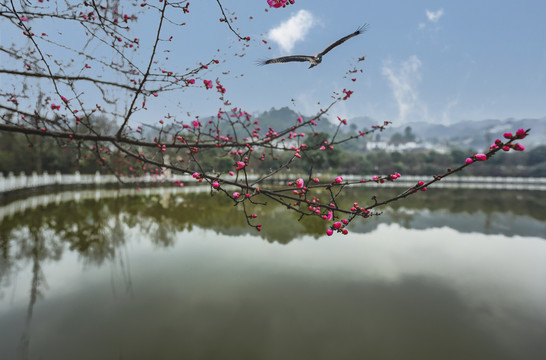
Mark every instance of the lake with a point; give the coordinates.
(177, 274)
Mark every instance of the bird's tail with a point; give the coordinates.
(261, 62)
(362, 29)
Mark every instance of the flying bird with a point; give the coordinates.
(317, 58)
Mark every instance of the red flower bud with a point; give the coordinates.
(519, 147)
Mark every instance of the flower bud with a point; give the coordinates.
(519, 147)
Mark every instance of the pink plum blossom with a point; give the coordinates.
(277, 3)
(240, 165)
(299, 183)
(338, 179)
(347, 93)
(343, 121)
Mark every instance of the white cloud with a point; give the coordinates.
(292, 30)
(403, 81)
(434, 16)
(446, 116)
(307, 102)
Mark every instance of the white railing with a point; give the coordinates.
(465, 182)
(11, 182)
(23, 181)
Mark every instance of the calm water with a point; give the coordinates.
(178, 275)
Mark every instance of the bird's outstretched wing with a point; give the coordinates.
(358, 31)
(285, 59)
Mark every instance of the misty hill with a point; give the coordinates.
(477, 135)
(474, 134)
(283, 118)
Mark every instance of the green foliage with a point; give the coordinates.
(27, 154)
(398, 138)
(536, 156)
(285, 118)
(19, 153)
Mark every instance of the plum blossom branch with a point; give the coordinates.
(229, 152)
(226, 20)
(146, 74)
(423, 186)
(67, 78)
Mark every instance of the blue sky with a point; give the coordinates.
(437, 61)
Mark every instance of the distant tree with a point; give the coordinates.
(408, 135)
(536, 155)
(397, 138)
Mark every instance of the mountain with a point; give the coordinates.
(474, 134)
(283, 118)
(470, 133)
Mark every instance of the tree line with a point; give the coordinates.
(20, 153)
